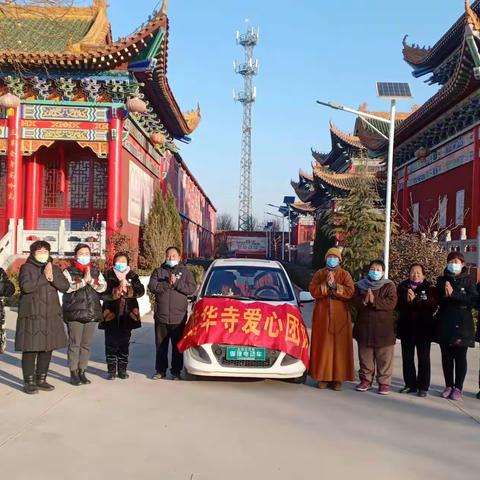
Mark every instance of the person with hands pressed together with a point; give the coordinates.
(417, 302)
(121, 314)
(81, 310)
(455, 332)
(375, 301)
(40, 328)
(331, 357)
(171, 283)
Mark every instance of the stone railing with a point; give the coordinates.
(470, 248)
(63, 241)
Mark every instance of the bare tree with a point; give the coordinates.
(225, 222)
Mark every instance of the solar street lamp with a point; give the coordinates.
(392, 91)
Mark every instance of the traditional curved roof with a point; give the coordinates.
(350, 140)
(340, 181)
(425, 60)
(303, 207)
(83, 43)
(318, 156)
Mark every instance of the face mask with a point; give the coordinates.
(83, 260)
(375, 275)
(121, 267)
(332, 262)
(171, 263)
(42, 257)
(454, 267)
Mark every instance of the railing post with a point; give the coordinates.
(103, 239)
(19, 236)
(61, 237)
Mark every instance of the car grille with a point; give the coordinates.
(220, 352)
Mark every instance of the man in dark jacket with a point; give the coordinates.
(171, 284)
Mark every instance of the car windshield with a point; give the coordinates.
(248, 283)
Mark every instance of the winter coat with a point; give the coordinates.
(331, 357)
(7, 289)
(171, 301)
(454, 320)
(40, 321)
(375, 323)
(121, 312)
(415, 318)
(82, 301)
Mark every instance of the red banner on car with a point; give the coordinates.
(232, 322)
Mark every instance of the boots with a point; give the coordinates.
(74, 378)
(29, 385)
(83, 377)
(111, 371)
(122, 371)
(42, 383)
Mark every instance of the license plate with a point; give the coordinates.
(246, 353)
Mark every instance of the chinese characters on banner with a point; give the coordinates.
(232, 322)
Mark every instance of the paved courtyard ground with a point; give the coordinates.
(211, 430)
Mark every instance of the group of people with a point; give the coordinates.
(416, 311)
(91, 298)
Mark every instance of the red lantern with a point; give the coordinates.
(136, 105)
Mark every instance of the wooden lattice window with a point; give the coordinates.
(3, 180)
(100, 184)
(53, 188)
(79, 184)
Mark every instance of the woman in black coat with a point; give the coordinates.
(416, 305)
(455, 331)
(7, 289)
(40, 328)
(120, 314)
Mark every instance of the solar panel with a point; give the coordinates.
(393, 90)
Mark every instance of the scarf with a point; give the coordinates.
(79, 266)
(414, 285)
(122, 278)
(367, 283)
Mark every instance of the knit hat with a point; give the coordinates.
(334, 252)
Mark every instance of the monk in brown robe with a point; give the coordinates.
(331, 357)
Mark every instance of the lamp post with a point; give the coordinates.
(392, 91)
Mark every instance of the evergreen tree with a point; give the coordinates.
(162, 229)
(358, 223)
(321, 244)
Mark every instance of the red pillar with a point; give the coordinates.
(14, 167)
(407, 221)
(114, 207)
(32, 195)
(474, 205)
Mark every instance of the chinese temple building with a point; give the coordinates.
(437, 147)
(88, 130)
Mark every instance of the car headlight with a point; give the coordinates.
(288, 360)
(200, 354)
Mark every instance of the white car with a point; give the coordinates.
(246, 280)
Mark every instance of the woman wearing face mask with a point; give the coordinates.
(40, 327)
(120, 314)
(81, 309)
(455, 332)
(331, 357)
(416, 306)
(374, 330)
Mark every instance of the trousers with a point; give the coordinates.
(164, 335)
(412, 380)
(376, 359)
(35, 363)
(117, 346)
(80, 339)
(454, 359)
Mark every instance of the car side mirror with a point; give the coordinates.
(305, 297)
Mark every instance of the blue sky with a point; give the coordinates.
(308, 50)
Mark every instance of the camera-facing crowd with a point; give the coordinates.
(417, 311)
